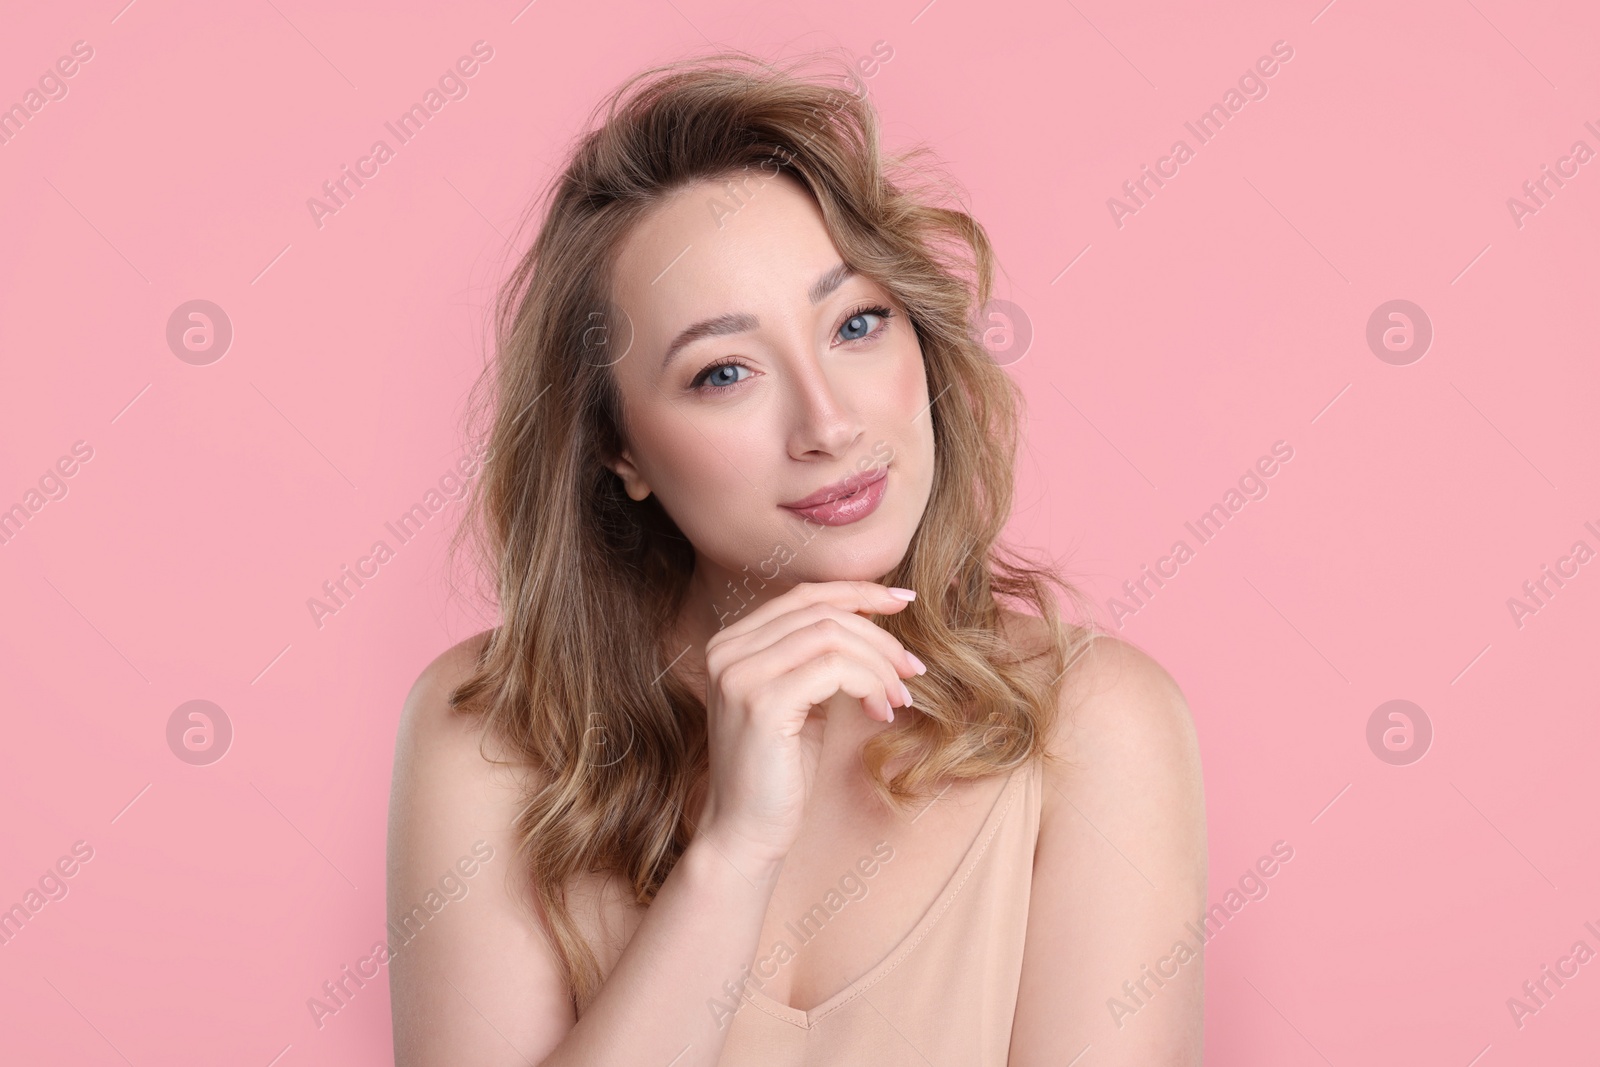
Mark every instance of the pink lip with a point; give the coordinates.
(844, 502)
(852, 484)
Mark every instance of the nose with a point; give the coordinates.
(824, 420)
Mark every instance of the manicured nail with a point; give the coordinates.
(903, 594)
(907, 692)
(921, 667)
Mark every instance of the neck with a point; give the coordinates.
(716, 598)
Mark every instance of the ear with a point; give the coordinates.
(633, 482)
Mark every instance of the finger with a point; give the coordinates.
(850, 595)
(817, 680)
(827, 637)
(860, 626)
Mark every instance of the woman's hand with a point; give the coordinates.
(766, 673)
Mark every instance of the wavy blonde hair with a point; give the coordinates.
(575, 680)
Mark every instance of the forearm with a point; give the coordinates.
(665, 1001)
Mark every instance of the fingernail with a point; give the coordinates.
(907, 692)
(922, 668)
(903, 594)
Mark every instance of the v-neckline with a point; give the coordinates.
(806, 1020)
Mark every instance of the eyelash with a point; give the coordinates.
(886, 314)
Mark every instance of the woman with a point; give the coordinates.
(767, 772)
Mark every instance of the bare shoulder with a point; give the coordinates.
(1116, 690)
(450, 777)
(1119, 867)
(427, 708)
(467, 939)
(1119, 712)
(435, 737)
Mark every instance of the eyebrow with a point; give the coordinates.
(743, 322)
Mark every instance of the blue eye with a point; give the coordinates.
(723, 375)
(857, 323)
(714, 374)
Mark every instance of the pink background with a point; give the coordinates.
(1228, 313)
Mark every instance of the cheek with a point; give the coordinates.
(907, 399)
(700, 469)
(911, 384)
(911, 389)
(682, 463)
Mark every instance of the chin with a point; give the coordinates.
(865, 563)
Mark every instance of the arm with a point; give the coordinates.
(478, 985)
(1120, 868)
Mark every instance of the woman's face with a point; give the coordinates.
(759, 373)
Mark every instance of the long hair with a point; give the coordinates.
(575, 681)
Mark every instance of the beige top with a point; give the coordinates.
(944, 995)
